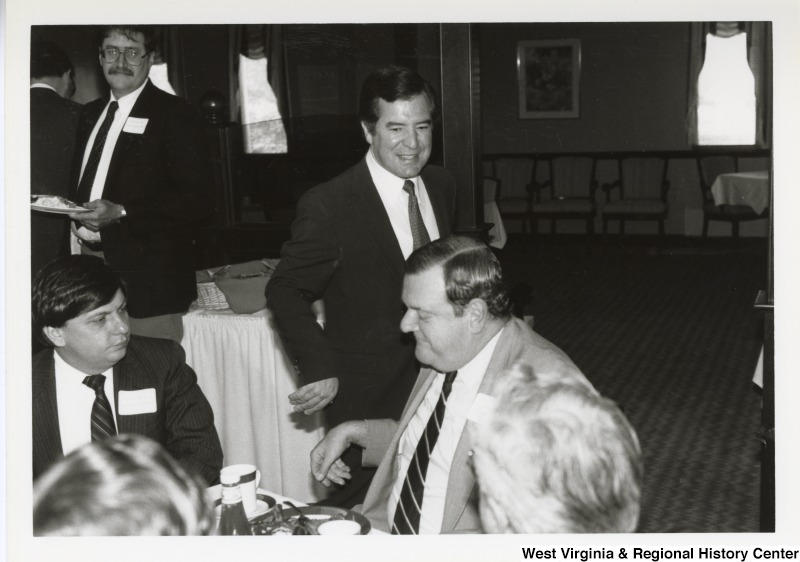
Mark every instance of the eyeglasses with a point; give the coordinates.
(132, 56)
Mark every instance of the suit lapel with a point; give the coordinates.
(370, 209)
(142, 109)
(461, 479)
(47, 432)
(439, 204)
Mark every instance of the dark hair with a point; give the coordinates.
(149, 33)
(125, 485)
(69, 286)
(390, 84)
(48, 59)
(471, 271)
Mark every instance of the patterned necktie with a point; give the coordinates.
(90, 171)
(409, 507)
(418, 230)
(102, 417)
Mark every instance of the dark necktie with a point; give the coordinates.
(409, 507)
(102, 417)
(90, 171)
(418, 231)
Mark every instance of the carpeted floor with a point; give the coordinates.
(673, 338)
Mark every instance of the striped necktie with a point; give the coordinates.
(102, 417)
(90, 171)
(409, 507)
(418, 231)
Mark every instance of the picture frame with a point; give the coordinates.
(548, 73)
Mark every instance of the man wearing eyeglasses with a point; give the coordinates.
(143, 168)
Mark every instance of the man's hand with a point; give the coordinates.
(102, 214)
(314, 396)
(326, 464)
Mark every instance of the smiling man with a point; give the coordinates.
(143, 168)
(458, 310)
(96, 380)
(349, 242)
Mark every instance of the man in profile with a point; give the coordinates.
(458, 310)
(349, 242)
(96, 380)
(54, 122)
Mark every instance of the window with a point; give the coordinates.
(726, 100)
(261, 121)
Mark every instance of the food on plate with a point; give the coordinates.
(53, 201)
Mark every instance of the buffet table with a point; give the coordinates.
(742, 188)
(244, 372)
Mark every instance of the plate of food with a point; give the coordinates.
(55, 204)
(310, 520)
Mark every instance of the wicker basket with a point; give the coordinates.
(210, 297)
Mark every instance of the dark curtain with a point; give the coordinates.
(759, 57)
(169, 49)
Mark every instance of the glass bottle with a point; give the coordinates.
(232, 520)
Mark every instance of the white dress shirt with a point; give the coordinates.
(395, 200)
(126, 104)
(459, 404)
(75, 401)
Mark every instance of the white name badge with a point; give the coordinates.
(135, 125)
(481, 407)
(133, 402)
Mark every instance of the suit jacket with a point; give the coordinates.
(343, 249)
(517, 344)
(54, 122)
(183, 421)
(164, 179)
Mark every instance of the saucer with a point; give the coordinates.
(263, 504)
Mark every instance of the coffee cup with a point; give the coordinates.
(249, 477)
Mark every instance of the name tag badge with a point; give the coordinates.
(133, 402)
(135, 125)
(481, 407)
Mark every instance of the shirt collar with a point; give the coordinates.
(64, 369)
(44, 86)
(384, 179)
(472, 373)
(126, 102)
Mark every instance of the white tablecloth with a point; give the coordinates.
(245, 374)
(742, 188)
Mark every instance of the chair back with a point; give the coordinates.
(513, 175)
(572, 177)
(643, 178)
(709, 167)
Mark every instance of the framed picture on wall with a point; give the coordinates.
(549, 73)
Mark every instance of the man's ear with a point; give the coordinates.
(55, 335)
(367, 133)
(478, 313)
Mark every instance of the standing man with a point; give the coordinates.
(54, 121)
(95, 380)
(349, 242)
(145, 170)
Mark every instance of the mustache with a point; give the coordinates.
(121, 70)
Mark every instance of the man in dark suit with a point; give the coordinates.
(144, 167)
(54, 122)
(79, 312)
(349, 242)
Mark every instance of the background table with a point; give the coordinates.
(245, 374)
(742, 188)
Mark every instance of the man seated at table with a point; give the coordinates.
(459, 312)
(555, 458)
(96, 380)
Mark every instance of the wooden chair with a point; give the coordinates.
(639, 194)
(709, 167)
(513, 198)
(567, 194)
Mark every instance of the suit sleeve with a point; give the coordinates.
(191, 436)
(379, 436)
(182, 190)
(308, 262)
